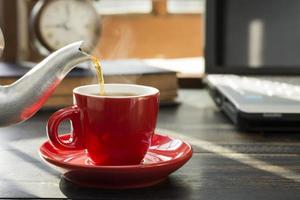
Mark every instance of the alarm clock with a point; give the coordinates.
(57, 23)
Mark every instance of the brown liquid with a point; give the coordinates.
(114, 94)
(99, 72)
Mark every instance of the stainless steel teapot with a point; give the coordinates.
(22, 99)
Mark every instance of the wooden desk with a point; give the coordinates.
(227, 164)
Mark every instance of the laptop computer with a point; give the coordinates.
(252, 55)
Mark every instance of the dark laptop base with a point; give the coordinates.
(255, 121)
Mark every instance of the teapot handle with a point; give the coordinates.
(75, 142)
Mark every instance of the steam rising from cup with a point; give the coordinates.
(121, 44)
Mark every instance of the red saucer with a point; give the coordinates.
(163, 157)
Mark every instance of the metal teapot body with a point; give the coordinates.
(22, 99)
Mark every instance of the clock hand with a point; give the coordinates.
(64, 26)
(55, 26)
(68, 10)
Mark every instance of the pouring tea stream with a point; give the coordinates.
(23, 98)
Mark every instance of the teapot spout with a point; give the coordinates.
(22, 99)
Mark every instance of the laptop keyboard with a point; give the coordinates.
(284, 87)
(294, 80)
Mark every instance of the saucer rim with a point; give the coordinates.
(184, 158)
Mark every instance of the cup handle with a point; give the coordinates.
(74, 143)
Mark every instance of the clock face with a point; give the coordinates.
(62, 22)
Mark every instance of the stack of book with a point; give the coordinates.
(120, 71)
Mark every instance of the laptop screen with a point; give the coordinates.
(253, 36)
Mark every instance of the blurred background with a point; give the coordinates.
(165, 34)
(126, 29)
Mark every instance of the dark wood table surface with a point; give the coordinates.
(227, 164)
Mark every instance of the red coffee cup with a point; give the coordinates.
(115, 130)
